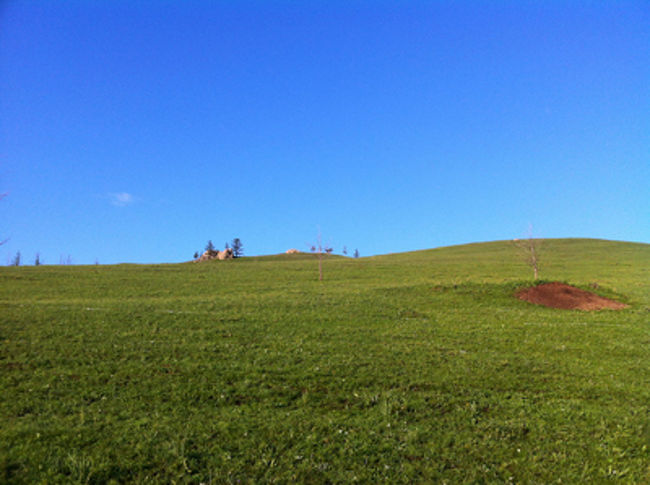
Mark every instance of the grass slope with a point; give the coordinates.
(413, 367)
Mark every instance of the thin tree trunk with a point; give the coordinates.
(533, 257)
(320, 264)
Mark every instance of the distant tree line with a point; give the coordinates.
(17, 260)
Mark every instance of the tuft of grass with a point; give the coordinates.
(413, 367)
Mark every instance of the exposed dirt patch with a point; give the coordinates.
(559, 295)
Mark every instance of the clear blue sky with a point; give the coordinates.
(136, 131)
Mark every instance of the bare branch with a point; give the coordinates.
(530, 247)
(320, 250)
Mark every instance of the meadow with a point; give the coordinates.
(416, 367)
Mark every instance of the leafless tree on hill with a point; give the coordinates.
(320, 250)
(530, 247)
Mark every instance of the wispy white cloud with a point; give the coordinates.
(120, 199)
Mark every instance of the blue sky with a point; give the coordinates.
(136, 131)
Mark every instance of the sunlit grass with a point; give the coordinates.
(399, 368)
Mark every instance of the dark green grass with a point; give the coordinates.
(414, 367)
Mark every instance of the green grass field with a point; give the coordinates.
(412, 367)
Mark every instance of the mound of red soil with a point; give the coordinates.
(559, 295)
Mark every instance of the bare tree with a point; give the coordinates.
(320, 249)
(530, 247)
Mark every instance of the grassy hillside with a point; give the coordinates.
(412, 367)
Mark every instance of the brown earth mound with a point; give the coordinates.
(559, 295)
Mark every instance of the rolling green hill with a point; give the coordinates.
(401, 368)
